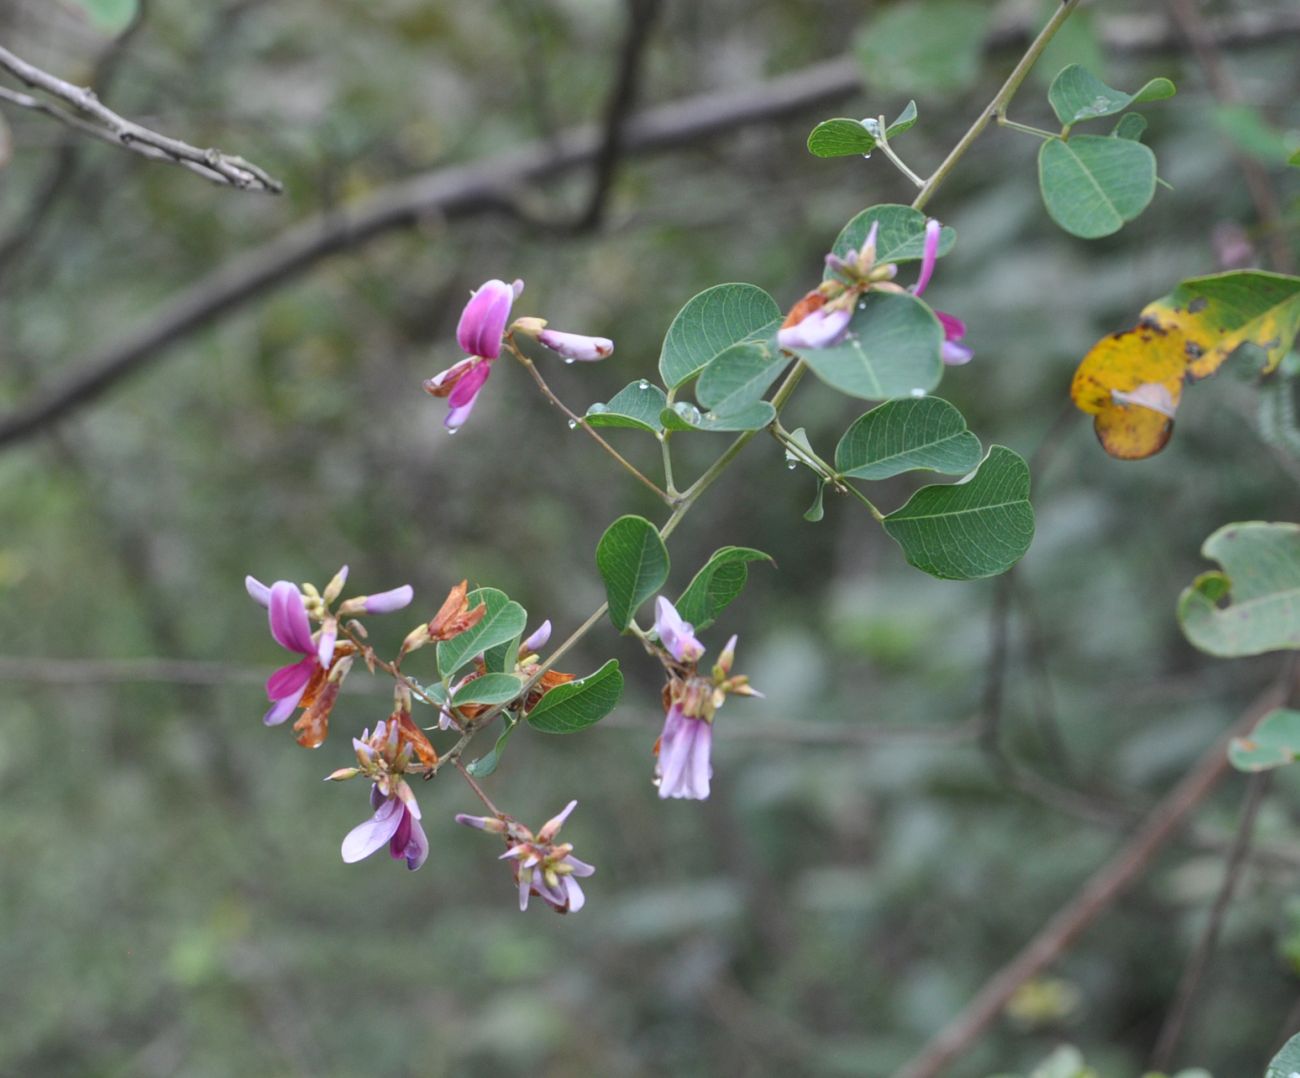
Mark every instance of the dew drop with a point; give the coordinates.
(863, 305)
(866, 157)
(918, 392)
(573, 424)
(451, 431)
(568, 361)
(872, 127)
(597, 409)
(643, 384)
(791, 464)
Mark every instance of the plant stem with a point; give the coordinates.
(998, 106)
(1038, 131)
(482, 796)
(883, 142)
(668, 465)
(578, 421)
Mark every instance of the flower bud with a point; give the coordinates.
(335, 586)
(529, 327)
(575, 345)
(342, 774)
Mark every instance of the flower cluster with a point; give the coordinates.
(384, 757)
(541, 866)
(821, 318)
(313, 682)
(683, 767)
(480, 333)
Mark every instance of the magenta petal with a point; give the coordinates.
(417, 849)
(282, 708)
(397, 844)
(468, 385)
(954, 329)
(367, 837)
(288, 618)
(290, 679)
(929, 255)
(483, 321)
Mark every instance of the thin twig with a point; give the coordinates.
(1096, 895)
(1199, 961)
(90, 116)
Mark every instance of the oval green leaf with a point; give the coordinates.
(892, 349)
(685, 416)
(575, 705)
(1130, 126)
(978, 527)
(1287, 1062)
(635, 406)
(1253, 606)
(740, 376)
(855, 138)
(1094, 183)
(503, 620)
(489, 689)
(717, 584)
(487, 763)
(900, 237)
(633, 562)
(904, 435)
(711, 322)
(1076, 94)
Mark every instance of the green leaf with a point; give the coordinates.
(1260, 585)
(1092, 184)
(635, 406)
(1287, 1062)
(1274, 742)
(892, 349)
(852, 138)
(111, 16)
(1076, 94)
(816, 511)
(712, 322)
(1130, 126)
(503, 619)
(487, 763)
(903, 435)
(937, 44)
(685, 416)
(502, 658)
(900, 238)
(740, 376)
(489, 689)
(717, 584)
(633, 562)
(575, 705)
(978, 527)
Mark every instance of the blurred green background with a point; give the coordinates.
(171, 895)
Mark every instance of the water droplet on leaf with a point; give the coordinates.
(568, 361)
(573, 424)
(643, 384)
(918, 392)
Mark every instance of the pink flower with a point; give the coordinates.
(460, 384)
(575, 346)
(542, 866)
(683, 768)
(677, 636)
(954, 329)
(396, 822)
(483, 321)
(292, 631)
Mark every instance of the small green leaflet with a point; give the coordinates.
(891, 349)
(1076, 94)
(978, 527)
(711, 322)
(685, 416)
(717, 584)
(489, 689)
(1092, 184)
(487, 763)
(740, 377)
(903, 435)
(900, 237)
(636, 406)
(1130, 126)
(848, 138)
(816, 511)
(575, 705)
(1274, 742)
(1253, 605)
(503, 620)
(633, 562)
(1286, 1064)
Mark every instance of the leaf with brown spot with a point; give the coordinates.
(1132, 382)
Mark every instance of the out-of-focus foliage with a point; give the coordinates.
(173, 894)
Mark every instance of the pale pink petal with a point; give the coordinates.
(282, 708)
(367, 837)
(575, 345)
(385, 602)
(676, 635)
(821, 329)
(574, 893)
(538, 639)
(329, 633)
(257, 591)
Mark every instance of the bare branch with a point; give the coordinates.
(90, 116)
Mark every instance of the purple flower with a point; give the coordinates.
(483, 321)
(954, 329)
(575, 346)
(292, 631)
(820, 329)
(460, 384)
(674, 634)
(683, 768)
(542, 866)
(538, 639)
(397, 822)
